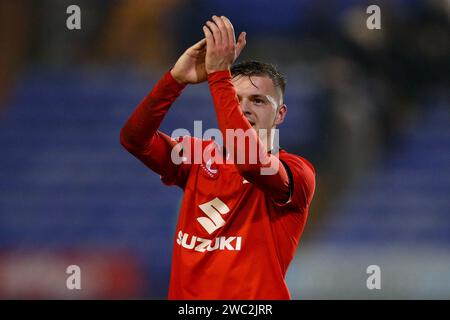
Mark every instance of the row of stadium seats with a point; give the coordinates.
(66, 182)
(405, 198)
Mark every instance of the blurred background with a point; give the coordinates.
(369, 108)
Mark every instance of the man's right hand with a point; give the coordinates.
(190, 67)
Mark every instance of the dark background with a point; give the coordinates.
(369, 108)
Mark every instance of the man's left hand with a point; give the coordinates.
(221, 47)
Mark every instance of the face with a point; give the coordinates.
(260, 101)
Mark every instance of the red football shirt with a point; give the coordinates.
(233, 240)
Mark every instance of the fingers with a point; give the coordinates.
(199, 46)
(223, 30)
(241, 43)
(217, 36)
(230, 31)
(220, 36)
(209, 37)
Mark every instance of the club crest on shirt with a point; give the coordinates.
(210, 169)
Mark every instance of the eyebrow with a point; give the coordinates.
(254, 96)
(258, 96)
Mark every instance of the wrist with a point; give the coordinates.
(218, 68)
(173, 82)
(219, 74)
(177, 78)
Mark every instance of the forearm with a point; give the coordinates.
(251, 166)
(226, 104)
(138, 131)
(230, 116)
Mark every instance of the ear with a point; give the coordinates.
(281, 114)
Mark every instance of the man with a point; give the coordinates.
(238, 226)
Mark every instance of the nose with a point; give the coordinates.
(245, 108)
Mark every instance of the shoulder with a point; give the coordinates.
(296, 161)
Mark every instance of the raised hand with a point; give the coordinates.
(221, 47)
(190, 67)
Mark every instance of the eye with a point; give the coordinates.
(258, 101)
